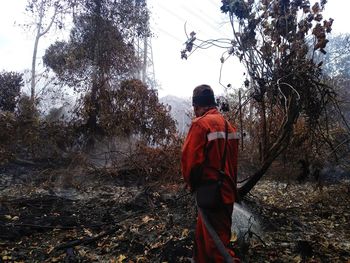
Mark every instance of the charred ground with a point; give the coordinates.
(117, 219)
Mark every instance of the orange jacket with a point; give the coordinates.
(204, 146)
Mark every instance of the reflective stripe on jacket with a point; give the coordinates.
(204, 145)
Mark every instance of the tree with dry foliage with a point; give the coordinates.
(139, 112)
(100, 52)
(10, 88)
(133, 110)
(272, 40)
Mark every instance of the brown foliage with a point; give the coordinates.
(8, 126)
(10, 87)
(131, 109)
(161, 164)
(25, 135)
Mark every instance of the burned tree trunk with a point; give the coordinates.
(281, 143)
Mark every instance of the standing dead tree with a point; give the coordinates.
(45, 14)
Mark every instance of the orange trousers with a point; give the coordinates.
(205, 249)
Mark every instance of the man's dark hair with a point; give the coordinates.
(203, 96)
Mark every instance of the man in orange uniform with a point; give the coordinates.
(203, 151)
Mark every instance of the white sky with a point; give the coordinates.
(179, 76)
(176, 77)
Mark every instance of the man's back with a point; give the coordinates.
(204, 146)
